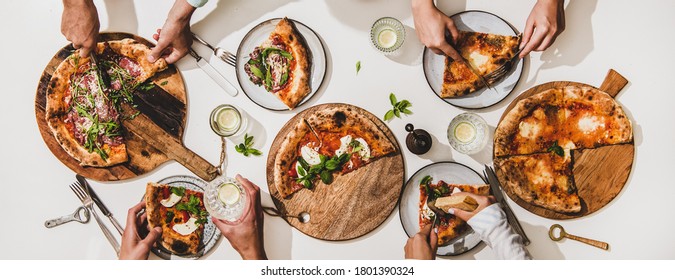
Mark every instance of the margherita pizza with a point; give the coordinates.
(535, 142)
(282, 64)
(449, 226)
(485, 52)
(334, 140)
(180, 213)
(84, 116)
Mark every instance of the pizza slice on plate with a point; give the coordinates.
(485, 52)
(449, 226)
(545, 179)
(84, 116)
(180, 213)
(332, 141)
(282, 64)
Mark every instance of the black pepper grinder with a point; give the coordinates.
(418, 140)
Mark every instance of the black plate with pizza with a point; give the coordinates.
(175, 204)
(455, 237)
(281, 64)
(486, 41)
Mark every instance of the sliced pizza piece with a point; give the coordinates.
(544, 179)
(485, 52)
(282, 64)
(450, 226)
(534, 125)
(593, 119)
(181, 215)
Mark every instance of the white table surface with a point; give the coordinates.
(635, 39)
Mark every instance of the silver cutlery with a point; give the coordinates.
(498, 73)
(100, 204)
(87, 202)
(213, 73)
(80, 215)
(226, 56)
(497, 193)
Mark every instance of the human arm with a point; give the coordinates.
(423, 245)
(431, 25)
(176, 38)
(80, 25)
(246, 234)
(133, 247)
(489, 221)
(545, 22)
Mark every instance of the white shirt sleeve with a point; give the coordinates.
(495, 231)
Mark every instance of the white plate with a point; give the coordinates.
(450, 172)
(211, 232)
(255, 38)
(434, 65)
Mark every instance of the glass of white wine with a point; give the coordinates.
(226, 199)
(387, 35)
(467, 133)
(226, 120)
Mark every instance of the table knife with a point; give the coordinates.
(100, 204)
(213, 73)
(497, 193)
(101, 73)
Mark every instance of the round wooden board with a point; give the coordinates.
(600, 173)
(169, 91)
(355, 203)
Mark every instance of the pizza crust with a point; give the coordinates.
(298, 85)
(286, 156)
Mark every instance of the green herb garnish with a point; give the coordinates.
(398, 108)
(556, 149)
(164, 83)
(358, 67)
(169, 217)
(246, 147)
(179, 191)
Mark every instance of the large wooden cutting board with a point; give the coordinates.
(355, 203)
(599, 174)
(152, 138)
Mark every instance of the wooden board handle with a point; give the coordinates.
(170, 146)
(613, 83)
(596, 243)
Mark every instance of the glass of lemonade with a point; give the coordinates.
(387, 35)
(226, 120)
(225, 199)
(468, 133)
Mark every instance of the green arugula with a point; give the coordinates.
(358, 67)
(556, 149)
(246, 147)
(146, 86)
(398, 108)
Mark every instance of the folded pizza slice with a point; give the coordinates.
(485, 52)
(282, 64)
(545, 179)
(181, 215)
(449, 226)
(333, 141)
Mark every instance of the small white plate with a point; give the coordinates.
(450, 172)
(211, 232)
(434, 65)
(255, 38)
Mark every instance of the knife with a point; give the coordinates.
(213, 73)
(99, 203)
(497, 193)
(101, 73)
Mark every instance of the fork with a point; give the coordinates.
(498, 73)
(88, 202)
(226, 56)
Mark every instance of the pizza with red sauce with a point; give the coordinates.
(331, 142)
(282, 64)
(85, 116)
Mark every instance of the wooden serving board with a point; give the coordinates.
(152, 138)
(599, 173)
(355, 203)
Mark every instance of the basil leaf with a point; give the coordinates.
(169, 217)
(426, 180)
(392, 99)
(240, 148)
(254, 152)
(389, 115)
(302, 172)
(406, 111)
(248, 140)
(316, 169)
(326, 177)
(256, 71)
(343, 158)
(286, 54)
(397, 113)
(303, 163)
(555, 148)
(332, 164)
(284, 78)
(179, 191)
(307, 184)
(358, 67)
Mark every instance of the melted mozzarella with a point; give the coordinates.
(365, 150)
(478, 60)
(529, 130)
(588, 124)
(544, 176)
(171, 201)
(310, 155)
(186, 228)
(344, 145)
